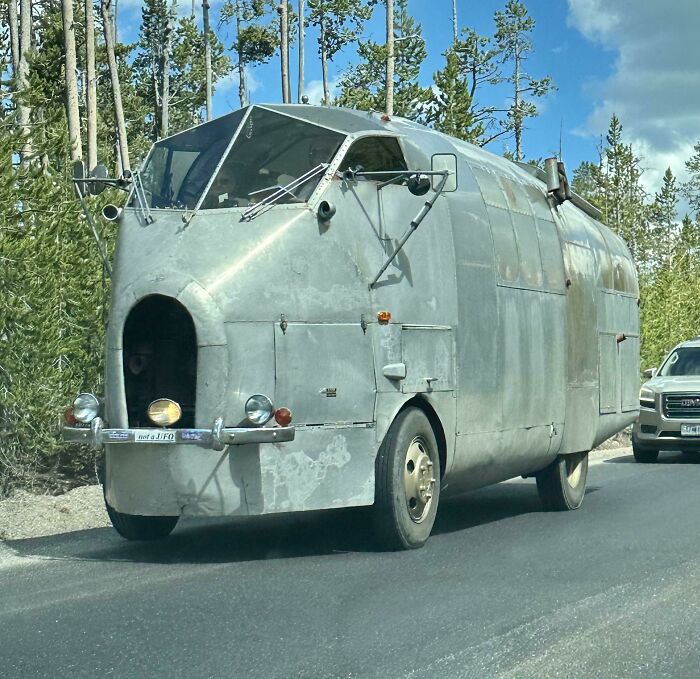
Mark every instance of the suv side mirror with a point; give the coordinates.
(650, 372)
(441, 162)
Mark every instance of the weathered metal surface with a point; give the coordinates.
(504, 313)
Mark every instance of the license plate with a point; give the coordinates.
(154, 436)
(690, 430)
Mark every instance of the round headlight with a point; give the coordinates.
(164, 412)
(86, 408)
(259, 409)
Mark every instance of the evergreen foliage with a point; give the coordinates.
(363, 86)
(52, 311)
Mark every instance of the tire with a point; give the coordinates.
(562, 485)
(644, 455)
(134, 527)
(407, 478)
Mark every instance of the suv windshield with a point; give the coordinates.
(271, 151)
(179, 167)
(685, 361)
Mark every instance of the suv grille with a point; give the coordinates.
(682, 406)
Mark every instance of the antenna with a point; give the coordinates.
(561, 125)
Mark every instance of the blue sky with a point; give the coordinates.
(632, 57)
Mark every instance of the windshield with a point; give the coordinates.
(272, 151)
(180, 167)
(682, 362)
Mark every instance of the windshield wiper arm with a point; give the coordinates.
(255, 210)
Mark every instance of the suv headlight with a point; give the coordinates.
(647, 398)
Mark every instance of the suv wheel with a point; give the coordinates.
(643, 455)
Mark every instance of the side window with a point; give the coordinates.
(375, 154)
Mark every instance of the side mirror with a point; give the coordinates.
(418, 184)
(651, 372)
(99, 172)
(442, 162)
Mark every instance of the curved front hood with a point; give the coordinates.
(677, 384)
(278, 263)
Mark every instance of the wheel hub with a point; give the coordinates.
(573, 469)
(419, 482)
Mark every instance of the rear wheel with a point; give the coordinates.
(644, 455)
(407, 482)
(135, 527)
(562, 485)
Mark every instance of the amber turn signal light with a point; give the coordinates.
(69, 418)
(383, 317)
(283, 417)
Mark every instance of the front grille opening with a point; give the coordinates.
(682, 406)
(160, 359)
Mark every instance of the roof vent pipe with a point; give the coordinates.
(551, 170)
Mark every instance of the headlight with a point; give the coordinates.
(86, 408)
(164, 412)
(646, 397)
(259, 409)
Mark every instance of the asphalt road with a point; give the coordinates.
(501, 590)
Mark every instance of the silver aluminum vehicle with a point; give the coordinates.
(316, 308)
(669, 414)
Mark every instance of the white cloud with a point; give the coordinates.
(314, 89)
(655, 85)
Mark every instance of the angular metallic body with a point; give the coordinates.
(508, 315)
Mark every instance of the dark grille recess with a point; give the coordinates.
(682, 406)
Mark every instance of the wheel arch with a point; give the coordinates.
(423, 404)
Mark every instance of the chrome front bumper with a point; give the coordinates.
(217, 438)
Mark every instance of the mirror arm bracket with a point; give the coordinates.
(91, 223)
(415, 223)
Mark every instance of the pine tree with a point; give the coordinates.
(480, 62)
(255, 41)
(513, 28)
(187, 68)
(339, 23)
(450, 107)
(664, 216)
(364, 86)
(691, 189)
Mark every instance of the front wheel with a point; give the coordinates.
(562, 485)
(407, 482)
(134, 527)
(644, 455)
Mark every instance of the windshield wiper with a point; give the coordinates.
(255, 210)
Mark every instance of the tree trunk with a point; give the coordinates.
(242, 84)
(517, 119)
(91, 89)
(390, 59)
(25, 45)
(71, 64)
(167, 48)
(455, 31)
(284, 50)
(14, 34)
(302, 38)
(106, 9)
(324, 62)
(207, 55)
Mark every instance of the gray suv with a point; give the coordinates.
(669, 412)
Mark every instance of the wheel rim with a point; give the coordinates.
(418, 479)
(573, 469)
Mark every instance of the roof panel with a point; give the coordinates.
(340, 119)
